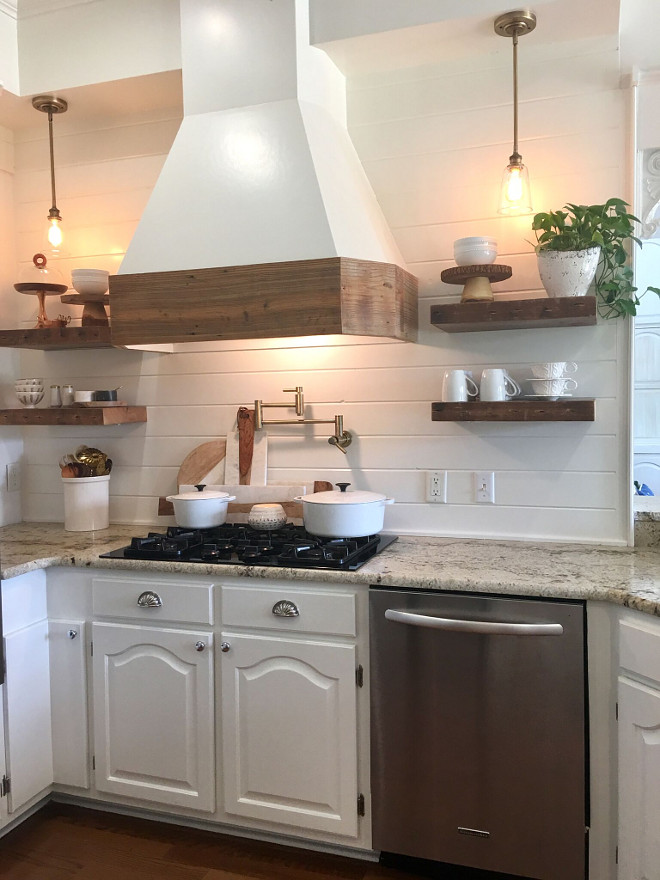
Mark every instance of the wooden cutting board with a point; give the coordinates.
(205, 464)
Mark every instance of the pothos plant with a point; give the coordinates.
(609, 227)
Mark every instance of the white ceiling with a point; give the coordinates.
(468, 38)
(139, 96)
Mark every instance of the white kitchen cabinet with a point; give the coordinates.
(27, 708)
(154, 714)
(27, 714)
(3, 766)
(68, 699)
(289, 708)
(289, 732)
(639, 749)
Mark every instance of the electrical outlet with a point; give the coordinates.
(436, 487)
(484, 487)
(14, 477)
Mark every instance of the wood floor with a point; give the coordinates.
(63, 842)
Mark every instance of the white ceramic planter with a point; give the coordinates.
(568, 273)
(344, 514)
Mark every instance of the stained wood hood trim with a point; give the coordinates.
(336, 295)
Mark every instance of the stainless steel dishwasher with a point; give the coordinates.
(478, 727)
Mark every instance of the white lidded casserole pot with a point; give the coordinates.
(202, 509)
(344, 514)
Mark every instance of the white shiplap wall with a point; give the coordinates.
(11, 441)
(434, 141)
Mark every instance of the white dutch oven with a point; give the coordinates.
(344, 514)
(202, 509)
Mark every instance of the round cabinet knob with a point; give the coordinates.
(224, 647)
(72, 633)
(199, 646)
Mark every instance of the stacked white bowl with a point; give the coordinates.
(476, 250)
(30, 392)
(90, 281)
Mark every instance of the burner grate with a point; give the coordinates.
(237, 544)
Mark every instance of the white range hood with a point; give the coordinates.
(262, 170)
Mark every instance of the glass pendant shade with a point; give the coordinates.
(515, 192)
(54, 234)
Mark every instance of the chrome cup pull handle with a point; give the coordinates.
(149, 599)
(285, 608)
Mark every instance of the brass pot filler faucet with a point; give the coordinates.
(341, 438)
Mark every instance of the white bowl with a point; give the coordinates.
(267, 516)
(30, 398)
(83, 396)
(90, 285)
(29, 381)
(89, 273)
(475, 250)
(27, 389)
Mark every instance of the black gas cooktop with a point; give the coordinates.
(235, 544)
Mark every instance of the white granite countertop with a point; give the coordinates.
(575, 571)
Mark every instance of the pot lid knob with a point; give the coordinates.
(200, 486)
(342, 486)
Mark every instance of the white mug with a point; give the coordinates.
(554, 370)
(496, 384)
(457, 386)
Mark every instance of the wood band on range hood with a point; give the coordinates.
(300, 298)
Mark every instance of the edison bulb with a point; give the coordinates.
(515, 194)
(54, 232)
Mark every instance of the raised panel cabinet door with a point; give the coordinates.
(68, 697)
(3, 767)
(639, 781)
(289, 732)
(29, 747)
(153, 714)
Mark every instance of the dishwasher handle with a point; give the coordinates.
(484, 627)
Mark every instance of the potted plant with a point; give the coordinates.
(584, 242)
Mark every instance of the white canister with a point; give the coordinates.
(86, 503)
(55, 396)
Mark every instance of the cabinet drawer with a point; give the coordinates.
(639, 648)
(182, 602)
(319, 611)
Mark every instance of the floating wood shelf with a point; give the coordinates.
(74, 415)
(52, 338)
(515, 314)
(573, 410)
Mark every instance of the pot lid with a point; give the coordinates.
(204, 495)
(344, 497)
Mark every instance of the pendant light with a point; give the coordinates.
(50, 105)
(515, 194)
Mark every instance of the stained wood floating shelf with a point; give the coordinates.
(54, 338)
(74, 415)
(573, 410)
(515, 314)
